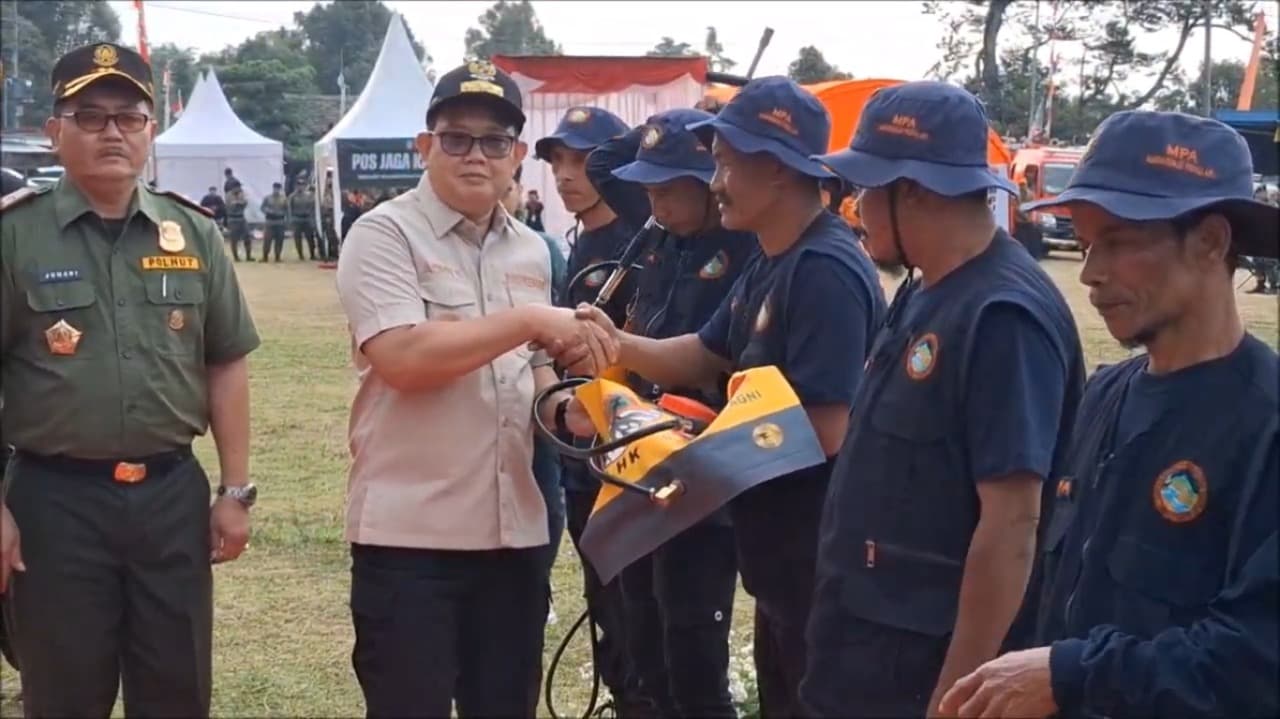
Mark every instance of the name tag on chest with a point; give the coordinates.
(171, 262)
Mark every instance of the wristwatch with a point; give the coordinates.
(245, 495)
(562, 408)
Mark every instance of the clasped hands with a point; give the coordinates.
(583, 341)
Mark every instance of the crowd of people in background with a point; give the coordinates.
(293, 214)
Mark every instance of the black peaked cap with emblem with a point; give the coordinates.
(86, 65)
(479, 81)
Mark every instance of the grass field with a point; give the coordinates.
(283, 632)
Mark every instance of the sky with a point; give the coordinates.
(891, 39)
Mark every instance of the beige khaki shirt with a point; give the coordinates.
(449, 468)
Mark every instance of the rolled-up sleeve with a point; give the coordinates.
(377, 282)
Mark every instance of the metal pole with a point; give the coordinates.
(1208, 58)
(1035, 72)
(764, 42)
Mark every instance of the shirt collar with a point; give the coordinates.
(70, 204)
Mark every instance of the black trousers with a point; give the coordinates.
(679, 609)
(872, 670)
(605, 602)
(776, 532)
(118, 589)
(307, 231)
(272, 238)
(239, 232)
(435, 627)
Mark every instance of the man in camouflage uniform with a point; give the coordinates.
(123, 335)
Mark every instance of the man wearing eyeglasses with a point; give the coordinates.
(123, 335)
(444, 292)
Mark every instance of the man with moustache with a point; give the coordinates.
(809, 304)
(679, 600)
(123, 335)
(1162, 569)
(930, 528)
(444, 292)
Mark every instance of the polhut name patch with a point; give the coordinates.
(171, 262)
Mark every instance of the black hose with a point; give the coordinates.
(595, 454)
(555, 664)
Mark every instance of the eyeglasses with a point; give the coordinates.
(96, 120)
(459, 144)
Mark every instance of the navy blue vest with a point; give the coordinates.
(1146, 533)
(902, 506)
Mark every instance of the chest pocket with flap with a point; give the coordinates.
(172, 319)
(448, 301)
(70, 301)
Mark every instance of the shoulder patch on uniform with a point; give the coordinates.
(17, 197)
(183, 200)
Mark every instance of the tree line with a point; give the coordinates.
(284, 82)
(999, 50)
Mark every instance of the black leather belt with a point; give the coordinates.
(127, 471)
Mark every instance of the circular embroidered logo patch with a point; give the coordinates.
(1181, 492)
(577, 114)
(922, 357)
(651, 136)
(715, 267)
(597, 278)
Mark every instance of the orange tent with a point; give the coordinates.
(844, 99)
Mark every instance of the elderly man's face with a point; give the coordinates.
(104, 132)
(1143, 277)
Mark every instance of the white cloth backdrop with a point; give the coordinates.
(544, 111)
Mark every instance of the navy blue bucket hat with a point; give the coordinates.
(930, 132)
(773, 115)
(581, 128)
(668, 150)
(1143, 165)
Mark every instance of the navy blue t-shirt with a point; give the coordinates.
(592, 247)
(807, 311)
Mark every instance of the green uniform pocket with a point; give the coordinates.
(70, 303)
(173, 318)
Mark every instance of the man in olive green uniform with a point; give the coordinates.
(123, 335)
(237, 227)
(302, 207)
(275, 208)
(328, 236)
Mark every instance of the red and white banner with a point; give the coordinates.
(633, 88)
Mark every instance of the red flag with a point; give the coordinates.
(143, 50)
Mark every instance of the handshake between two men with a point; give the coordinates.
(585, 343)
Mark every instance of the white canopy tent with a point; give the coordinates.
(193, 153)
(372, 145)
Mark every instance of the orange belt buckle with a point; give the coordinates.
(130, 473)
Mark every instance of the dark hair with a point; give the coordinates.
(519, 172)
(1186, 222)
